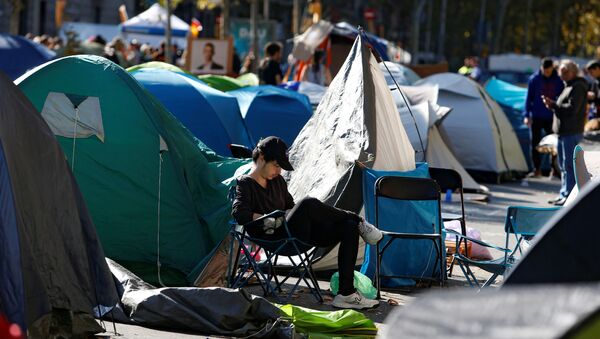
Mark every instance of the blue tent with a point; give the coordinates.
(347, 30)
(270, 110)
(211, 115)
(18, 55)
(512, 100)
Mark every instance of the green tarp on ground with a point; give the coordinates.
(155, 192)
(225, 83)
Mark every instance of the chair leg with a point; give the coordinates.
(377, 272)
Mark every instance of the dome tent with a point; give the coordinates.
(211, 115)
(154, 191)
(477, 131)
(52, 268)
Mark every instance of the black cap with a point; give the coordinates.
(274, 148)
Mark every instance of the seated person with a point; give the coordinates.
(264, 190)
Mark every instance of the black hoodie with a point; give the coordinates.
(569, 110)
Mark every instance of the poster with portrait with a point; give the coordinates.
(209, 56)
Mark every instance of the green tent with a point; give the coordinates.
(157, 64)
(225, 83)
(155, 193)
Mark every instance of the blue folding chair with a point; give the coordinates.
(250, 238)
(522, 223)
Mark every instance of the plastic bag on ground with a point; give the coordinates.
(477, 251)
(362, 283)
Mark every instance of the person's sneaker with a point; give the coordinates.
(355, 300)
(370, 234)
(553, 201)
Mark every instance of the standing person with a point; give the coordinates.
(264, 190)
(316, 72)
(465, 69)
(475, 72)
(593, 68)
(569, 119)
(544, 82)
(269, 71)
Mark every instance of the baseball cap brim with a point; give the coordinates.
(285, 164)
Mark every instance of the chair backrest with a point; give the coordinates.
(527, 221)
(586, 165)
(446, 178)
(407, 188)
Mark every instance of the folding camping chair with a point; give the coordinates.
(409, 189)
(449, 179)
(522, 223)
(254, 236)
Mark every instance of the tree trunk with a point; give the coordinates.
(428, 26)
(418, 9)
(224, 19)
(526, 48)
(16, 6)
(168, 52)
(556, 25)
(442, 32)
(500, 25)
(481, 31)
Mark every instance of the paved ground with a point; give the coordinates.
(486, 217)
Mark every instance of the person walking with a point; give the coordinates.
(269, 71)
(568, 123)
(544, 82)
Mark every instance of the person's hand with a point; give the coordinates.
(549, 103)
(270, 224)
(591, 95)
(527, 121)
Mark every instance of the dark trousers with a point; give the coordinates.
(321, 225)
(537, 126)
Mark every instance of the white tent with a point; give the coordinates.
(422, 101)
(477, 131)
(356, 120)
(150, 26)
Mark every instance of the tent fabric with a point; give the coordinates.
(150, 26)
(51, 257)
(511, 99)
(533, 312)
(211, 115)
(306, 43)
(225, 83)
(147, 230)
(18, 55)
(270, 110)
(564, 251)
(422, 101)
(209, 311)
(355, 121)
(477, 131)
(159, 65)
(400, 73)
(507, 94)
(330, 324)
(404, 257)
(314, 92)
(79, 119)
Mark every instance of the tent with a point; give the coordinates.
(52, 269)
(17, 55)
(356, 120)
(532, 312)
(565, 249)
(313, 91)
(511, 99)
(429, 144)
(159, 65)
(337, 39)
(150, 25)
(225, 83)
(402, 74)
(154, 191)
(477, 131)
(270, 110)
(211, 115)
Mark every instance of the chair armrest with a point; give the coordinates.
(477, 241)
